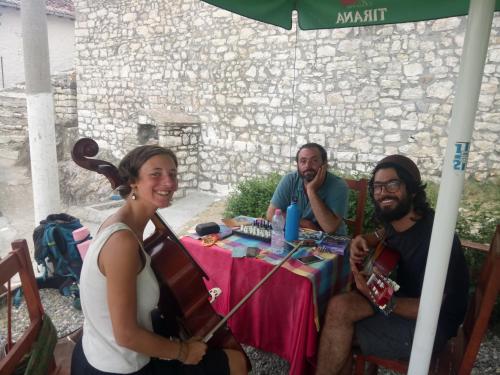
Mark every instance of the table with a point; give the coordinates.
(282, 317)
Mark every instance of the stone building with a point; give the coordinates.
(60, 28)
(235, 97)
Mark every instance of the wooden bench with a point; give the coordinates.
(460, 352)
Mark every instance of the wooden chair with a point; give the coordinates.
(361, 188)
(18, 262)
(460, 352)
(38, 342)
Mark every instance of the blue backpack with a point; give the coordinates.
(56, 251)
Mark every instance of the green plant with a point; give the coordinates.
(252, 197)
(479, 211)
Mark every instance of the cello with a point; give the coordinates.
(183, 294)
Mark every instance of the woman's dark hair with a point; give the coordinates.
(321, 149)
(128, 168)
(417, 189)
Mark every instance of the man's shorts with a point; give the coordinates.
(389, 336)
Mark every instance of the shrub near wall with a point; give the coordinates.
(252, 197)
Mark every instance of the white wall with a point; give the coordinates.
(61, 45)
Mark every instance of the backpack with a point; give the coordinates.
(57, 252)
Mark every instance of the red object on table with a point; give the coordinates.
(278, 318)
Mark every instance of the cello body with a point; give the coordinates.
(184, 300)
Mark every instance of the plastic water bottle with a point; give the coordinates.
(277, 235)
(292, 222)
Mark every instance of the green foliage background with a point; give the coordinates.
(252, 197)
(479, 213)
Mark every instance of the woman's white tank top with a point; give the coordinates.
(99, 344)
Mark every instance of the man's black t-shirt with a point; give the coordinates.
(413, 245)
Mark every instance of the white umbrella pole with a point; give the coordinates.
(452, 180)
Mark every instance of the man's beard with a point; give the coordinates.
(389, 215)
(308, 175)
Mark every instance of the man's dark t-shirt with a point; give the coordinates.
(413, 245)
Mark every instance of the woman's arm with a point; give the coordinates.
(120, 261)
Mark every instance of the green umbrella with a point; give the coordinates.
(322, 14)
(330, 14)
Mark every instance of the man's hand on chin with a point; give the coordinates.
(318, 180)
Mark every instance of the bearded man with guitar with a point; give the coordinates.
(387, 330)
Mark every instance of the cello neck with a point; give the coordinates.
(162, 227)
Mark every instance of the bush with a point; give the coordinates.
(479, 211)
(252, 197)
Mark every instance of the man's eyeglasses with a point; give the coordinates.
(391, 186)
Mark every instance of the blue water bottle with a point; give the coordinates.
(292, 222)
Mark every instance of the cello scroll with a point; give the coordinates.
(85, 149)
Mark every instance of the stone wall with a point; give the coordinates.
(14, 120)
(66, 119)
(259, 92)
(60, 30)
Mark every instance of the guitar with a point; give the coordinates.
(377, 267)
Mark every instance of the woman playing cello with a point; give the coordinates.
(118, 288)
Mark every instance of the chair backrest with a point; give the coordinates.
(480, 308)
(18, 262)
(361, 188)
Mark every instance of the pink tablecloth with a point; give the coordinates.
(279, 317)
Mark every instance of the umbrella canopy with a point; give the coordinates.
(320, 14)
(330, 14)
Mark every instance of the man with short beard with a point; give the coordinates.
(401, 207)
(320, 195)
